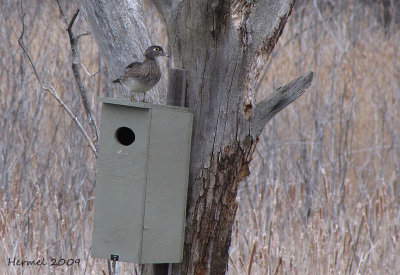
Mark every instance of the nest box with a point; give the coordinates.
(141, 182)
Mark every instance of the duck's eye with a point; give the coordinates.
(157, 49)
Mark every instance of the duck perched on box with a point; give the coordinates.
(140, 77)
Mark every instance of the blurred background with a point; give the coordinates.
(323, 195)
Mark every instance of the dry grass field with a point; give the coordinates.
(323, 196)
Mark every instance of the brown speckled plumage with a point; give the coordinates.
(139, 77)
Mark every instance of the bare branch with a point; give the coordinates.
(54, 93)
(71, 23)
(64, 18)
(87, 72)
(83, 34)
(21, 44)
(50, 89)
(78, 78)
(277, 101)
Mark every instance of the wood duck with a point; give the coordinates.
(139, 77)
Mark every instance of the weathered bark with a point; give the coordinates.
(223, 58)
(278, 100)
(223, 45)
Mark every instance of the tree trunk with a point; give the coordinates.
(223, 46)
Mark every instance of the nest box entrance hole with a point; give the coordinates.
(125, 136)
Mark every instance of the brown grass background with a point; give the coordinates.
(323, 195)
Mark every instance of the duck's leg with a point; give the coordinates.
(131, 98)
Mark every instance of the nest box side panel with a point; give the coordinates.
(167, 181)
(121, 183)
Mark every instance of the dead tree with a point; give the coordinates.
(223, 46)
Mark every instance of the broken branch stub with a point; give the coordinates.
(277, 101)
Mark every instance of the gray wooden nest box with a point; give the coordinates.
(141, 182)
